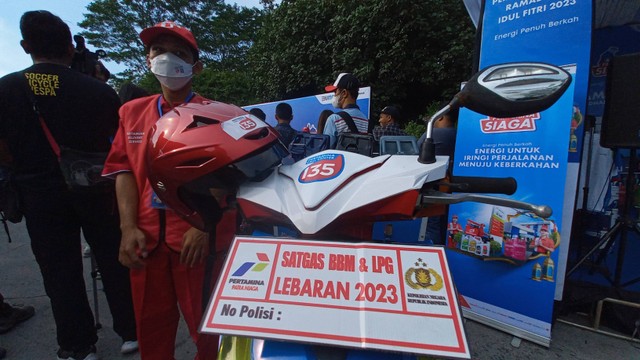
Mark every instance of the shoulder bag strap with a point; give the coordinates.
(349, 120)
(52, 141)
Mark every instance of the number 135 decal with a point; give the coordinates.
(322, 168)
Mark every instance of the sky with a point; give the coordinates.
(13, 58)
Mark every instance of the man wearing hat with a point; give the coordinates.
(165, 254)
(345, 90)
(544, 243)
(389, 118)
(453, 228)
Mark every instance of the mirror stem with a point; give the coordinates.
(442, 112)
(428, 147)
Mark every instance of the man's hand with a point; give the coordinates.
(133, 248)
(133, 244)
(195, 247)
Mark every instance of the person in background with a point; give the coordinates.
(10, 316)
(390, 116)
(284, 115)
(257, 112)
(129, 91)
(101, 72)
(444, 134)
(88, 62)
(167, 256)
(444, 139)
(322, 120)
(81, 112)
(345, 90)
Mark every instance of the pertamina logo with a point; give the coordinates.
(238, 280)
(506, 125)
(263, 262)
(322, 168)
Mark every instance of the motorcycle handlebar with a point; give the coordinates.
(476, 184)
(437, 197)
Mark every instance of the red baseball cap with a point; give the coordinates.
(171, 28)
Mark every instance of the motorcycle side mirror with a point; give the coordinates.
(504, 90)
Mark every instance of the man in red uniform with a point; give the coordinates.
(165, 254)
(544, 243)
(453, 228)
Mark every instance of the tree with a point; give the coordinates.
(410, 52)
(233, 87)
(224, 32)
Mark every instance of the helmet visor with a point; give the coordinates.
(258, 166)
(253, 167)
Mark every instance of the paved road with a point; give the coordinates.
(20, 282)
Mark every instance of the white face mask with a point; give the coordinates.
(172, 72)
(336, 101)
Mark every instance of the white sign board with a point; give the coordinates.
(363, 295)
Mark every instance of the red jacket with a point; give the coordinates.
(128, 155)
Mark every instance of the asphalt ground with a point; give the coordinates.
(21, 283)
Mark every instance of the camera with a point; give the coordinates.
(88, 62)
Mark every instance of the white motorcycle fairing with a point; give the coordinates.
(313, 192)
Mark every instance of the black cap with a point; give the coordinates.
(346, 81)
(392, 111)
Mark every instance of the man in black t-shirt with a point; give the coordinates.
(81, 113)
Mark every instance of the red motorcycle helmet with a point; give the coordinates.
(197, 148)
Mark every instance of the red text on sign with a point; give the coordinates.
(302, 259)
(341, 262)
(311, 288)
(376, 293)
(382, 263)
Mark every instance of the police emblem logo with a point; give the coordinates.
(422, 277)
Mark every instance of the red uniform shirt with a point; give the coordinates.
(454, 227)
(546, 244)
(128, 154)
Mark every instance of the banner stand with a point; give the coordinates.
(513, 330)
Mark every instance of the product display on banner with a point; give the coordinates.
(512, 236)
(339, 294)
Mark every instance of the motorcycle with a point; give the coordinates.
(334, 187)
(339, 195)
